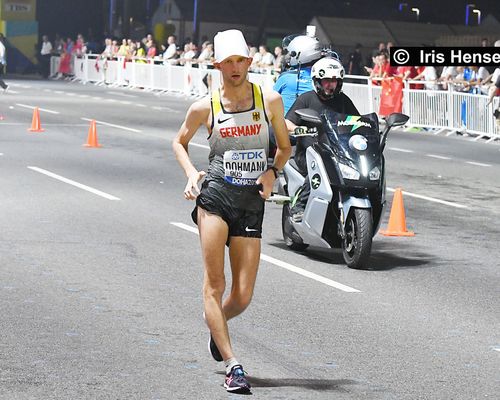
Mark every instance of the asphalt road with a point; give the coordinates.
(100, 268)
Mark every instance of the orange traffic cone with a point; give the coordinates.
(92, 136)
(35, 122)
(397, 220)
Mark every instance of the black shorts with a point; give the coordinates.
(241, 208)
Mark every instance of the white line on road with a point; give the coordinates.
(113, 125)
(419, 196)
(40, 109)
(287, 266)
(13, 91)
(401, 150)
(70, 182)
(478, 164)
(140, 105)
(121, 94)
(440, 157)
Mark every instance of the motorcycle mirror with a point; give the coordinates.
(397, 119)
(309, 115)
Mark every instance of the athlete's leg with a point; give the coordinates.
(244, 254)
(213, 235)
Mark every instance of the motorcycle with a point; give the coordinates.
(347, 182)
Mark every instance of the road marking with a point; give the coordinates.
(73, 183)
(121, 94)
(40, 109)
(113, 125)
(440, 157)
(140, 105)
(419, 196)
(13, 91)
(199, 145)
(401, 150)
(478, 164)
(287, 266)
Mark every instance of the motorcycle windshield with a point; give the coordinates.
(353, 135)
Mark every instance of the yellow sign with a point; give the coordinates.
(18, 10)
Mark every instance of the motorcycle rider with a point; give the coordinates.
(301, 53)
(327, 75)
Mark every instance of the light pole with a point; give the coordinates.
(467, 7)
(478, 12)
(416, 11)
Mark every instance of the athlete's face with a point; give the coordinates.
(234, 69)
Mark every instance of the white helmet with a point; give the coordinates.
(497, 43)
(327, 68)
(302, 50)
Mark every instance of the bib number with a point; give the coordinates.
(243, 167)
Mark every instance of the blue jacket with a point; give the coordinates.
(286, 85)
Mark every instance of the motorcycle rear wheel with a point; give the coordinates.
(288, 231)
(357, 245)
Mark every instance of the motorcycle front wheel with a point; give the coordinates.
(291, 237)
(357, 245)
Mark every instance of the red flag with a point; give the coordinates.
(391, 98)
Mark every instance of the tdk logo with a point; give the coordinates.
(251, 155)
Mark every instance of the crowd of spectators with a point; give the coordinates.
(470, 79)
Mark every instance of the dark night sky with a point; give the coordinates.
(69, 17)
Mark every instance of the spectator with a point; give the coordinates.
(207, 54)
(44, 58)
(267, 59)
(3, 62)
(278, 59)
(429, 75)
(355, 65)
(124, 48)
(150, 49)
(170, 52)
(375, 52)
(448, 75)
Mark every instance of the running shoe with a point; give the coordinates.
(236, 382)
(214, 351)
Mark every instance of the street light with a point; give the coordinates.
(478, 12)
(416, 11)
(467, 7)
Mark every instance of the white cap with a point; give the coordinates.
(229, 43)
(497, 43)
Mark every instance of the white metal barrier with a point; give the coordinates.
(427, 108)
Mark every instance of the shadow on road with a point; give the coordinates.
(312, 384)
(384, 257)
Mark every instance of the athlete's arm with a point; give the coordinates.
(274, 106)
(196, 116)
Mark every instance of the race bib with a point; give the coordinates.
(243, 167)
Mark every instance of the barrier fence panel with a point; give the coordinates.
(426, 108)
(440, 109)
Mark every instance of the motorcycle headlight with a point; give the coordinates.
(348, 172)
(374, 174)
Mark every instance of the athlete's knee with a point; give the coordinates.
(214, 287)
(241, 299)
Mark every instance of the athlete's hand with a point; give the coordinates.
(267, 181)
(192, 190)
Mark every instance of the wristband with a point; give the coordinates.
(275, 171)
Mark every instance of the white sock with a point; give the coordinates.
(230, 363)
